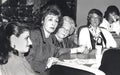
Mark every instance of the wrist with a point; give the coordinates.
(73, 50)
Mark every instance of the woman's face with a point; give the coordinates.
(95, 20)
(64, 30)
(23, 42)
(50, 23)
(113, 16)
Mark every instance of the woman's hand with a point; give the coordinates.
(51, 61)
(80, 49)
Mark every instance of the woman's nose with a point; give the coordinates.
(54, 24)
(29, 41)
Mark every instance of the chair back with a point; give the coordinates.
(110, 63)
(64, 70)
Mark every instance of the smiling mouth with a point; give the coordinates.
(52, 28)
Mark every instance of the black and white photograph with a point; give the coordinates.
(59, 37)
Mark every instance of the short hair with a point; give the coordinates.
(71, 22)
(66, 19)
(96, 11)
(51, 9)
(111, 9)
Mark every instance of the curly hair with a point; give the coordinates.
(47, 10)
(68, 20)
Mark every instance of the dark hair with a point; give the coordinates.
(68, 19)
(15, 28)
(59, 25)
(53, 9)
(5, 44)
(45, 10)
(96, 11)
(111, 9)
(5, 47)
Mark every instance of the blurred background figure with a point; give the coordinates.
(116, 26)
(111, 19)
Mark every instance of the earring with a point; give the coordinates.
(41, 22)
(14, 46)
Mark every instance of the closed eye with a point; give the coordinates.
(50, 19)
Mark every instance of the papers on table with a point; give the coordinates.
(81, 61)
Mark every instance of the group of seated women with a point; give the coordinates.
(50, 42)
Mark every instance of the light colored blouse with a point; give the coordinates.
(16, 65)
(105, 24)
(84, 38)
(114, 27)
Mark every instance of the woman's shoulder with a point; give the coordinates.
(13, 58)
(83, 27)
(84, 30)
(104, 30)
(36, 32)
(36, 29)
(0, 70)
(106, 33)
(17, 65)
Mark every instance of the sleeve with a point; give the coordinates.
(35, 57)
(70, 43)
(81, 37)
(84, 38)
(104, 24)
(110, 41)
(60, 51)
(117, 27)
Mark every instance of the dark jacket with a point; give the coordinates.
(42, 49)
(66, 44)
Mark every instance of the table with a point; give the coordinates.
(65, 68)
(117, 39)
